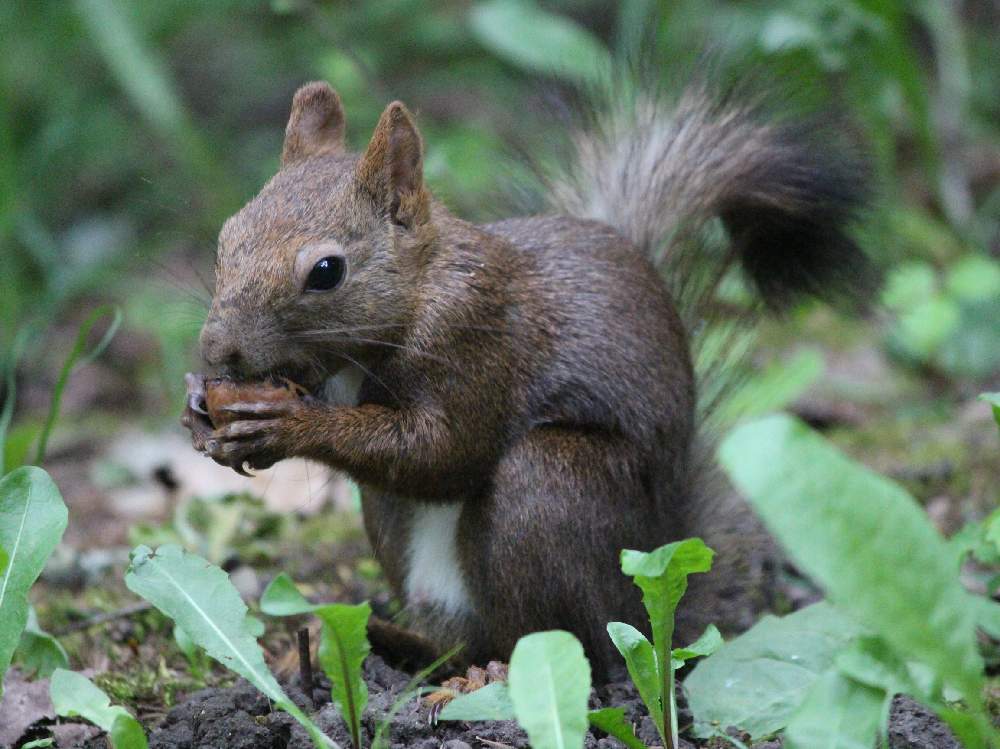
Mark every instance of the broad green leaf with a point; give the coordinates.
(38, 744)
(343, 648)
(282, 598)
(994, 400)
(73, 694)
(612, 721)
(838, 713)
(870, 661)
(641, 663)
(199, 597)
(39, 653)
(758, 680)
(864, 539)
(549, 688)
(32, 520)
(541, 42)
(343, 644)
(492, 702)
(708, 643)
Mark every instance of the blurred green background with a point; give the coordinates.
(129, 131)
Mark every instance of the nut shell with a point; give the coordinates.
(223, 391)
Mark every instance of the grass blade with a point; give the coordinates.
(78, 355)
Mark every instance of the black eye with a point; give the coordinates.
(326, 274)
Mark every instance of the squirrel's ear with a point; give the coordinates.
(391, 169)
(316, 125)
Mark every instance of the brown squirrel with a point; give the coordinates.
(516, 400)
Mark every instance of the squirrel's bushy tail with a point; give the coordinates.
(665, 172)
(786, 192)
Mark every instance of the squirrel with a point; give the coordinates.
(516, 400)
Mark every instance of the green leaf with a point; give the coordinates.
(343, 648)
(39, 653)
(864, 539)
(343, 644)
(708, 643)
(491, 702)
(758, 680)
(538, 41)
(641, 663)
(871, 661)
(662, 575)
(73, 694)
(838, 713)
(549, 688)
(282, 598)
(612, 721)
(38, 744)
(994, 400)
(32, 520)
(199, 597)
(974, 278)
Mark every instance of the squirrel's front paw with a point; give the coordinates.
(260, 433)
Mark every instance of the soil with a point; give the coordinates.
(240, 717)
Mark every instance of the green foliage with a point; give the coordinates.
(200, 599)
(196, 657)
(994, 400)
(491, 702)
(948, 323)
(662, 575)
(775, 387)
(549, 688)
(343, 645)
(525, 35)
(838, 713)
(32, 520)
(78, 356)
(612, 721)
(73, 694)
(758, 680)
(39, 653)
(866, 541)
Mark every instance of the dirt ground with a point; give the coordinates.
(240, 717)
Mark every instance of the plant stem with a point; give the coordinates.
(305, 665)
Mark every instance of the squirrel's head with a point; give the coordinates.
(323, 267)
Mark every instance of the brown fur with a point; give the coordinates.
(533, 372)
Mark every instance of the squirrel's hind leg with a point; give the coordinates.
(542, 550)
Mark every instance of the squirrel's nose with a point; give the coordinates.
(219, 352)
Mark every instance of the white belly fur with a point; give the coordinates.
(342, 389)
(434, 576)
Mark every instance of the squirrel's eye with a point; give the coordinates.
(326, 274)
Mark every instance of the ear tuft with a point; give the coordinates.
(316, 124)
(391, 169)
